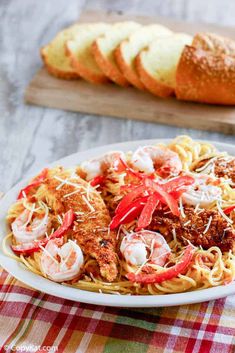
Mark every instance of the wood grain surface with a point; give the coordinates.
(32, 136)
(127, 103)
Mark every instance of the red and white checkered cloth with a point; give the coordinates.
(33, 321)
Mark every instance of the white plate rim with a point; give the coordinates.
(44, 285)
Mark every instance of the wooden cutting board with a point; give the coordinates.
(130, 103)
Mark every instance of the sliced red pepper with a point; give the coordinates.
(28, 249)
(147, 212)
(124, 167)
(128, 187)
(166, 197)
(175, 187)
(98, 180)
(176, 194)
(229, 209)
(36, 181)
(129, 213)
(178, 186)
(168, 274)
(119, 165)
(167, 193)
(127, 199)
(66, 224)
(177, 183)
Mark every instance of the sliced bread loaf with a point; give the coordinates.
(104, 47)
(127, 50)
(79, 52)
(156, 65)
(54, 56)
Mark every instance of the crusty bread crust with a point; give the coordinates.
(126, 69)
(106, 66)
(214, 43)
(202, 76)
(84, 71)
(154, 86)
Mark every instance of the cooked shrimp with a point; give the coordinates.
(201, 192)
(26, 231)
(159, 159)
(100, 165)
(61, 262)
(145, 246)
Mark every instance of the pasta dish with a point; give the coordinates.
(157, 220)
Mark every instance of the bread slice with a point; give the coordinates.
(54, 56)
(205, 77)
(79, 52)
(127, 50)
(103, 50)
(214, 43)
(157, 64)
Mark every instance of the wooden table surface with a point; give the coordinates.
(32, 136)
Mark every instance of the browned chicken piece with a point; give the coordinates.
(91, 229)
(194, 228)
(222, 167)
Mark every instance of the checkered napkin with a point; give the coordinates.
(31, 321)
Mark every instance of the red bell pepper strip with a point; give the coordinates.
(128, 187)
(168, 274)
(147, 212)
(129, 213)
(167, 193)
(229, 209)
(178, 186)
(131, 196)
(124, 167)
(28, 249)
(166, 197)
(98, 180)
(66, 224)
(36, 181)
(178, 183)
(119, 165)
(177, 194)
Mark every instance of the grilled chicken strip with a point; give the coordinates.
(225, 168)
(207, 228)
(91, 229)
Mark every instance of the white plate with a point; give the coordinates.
(44, 285)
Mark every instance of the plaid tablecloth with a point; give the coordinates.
(33, 321)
